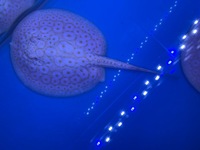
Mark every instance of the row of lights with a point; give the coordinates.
(106, 138)
(128, 60)
(194, 31)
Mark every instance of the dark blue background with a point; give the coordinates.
(167, 119)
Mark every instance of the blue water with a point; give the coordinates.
(166, 118)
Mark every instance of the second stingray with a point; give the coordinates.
(58, 53)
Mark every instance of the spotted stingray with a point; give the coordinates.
(58, 53)
(190, 57)
(10, 10)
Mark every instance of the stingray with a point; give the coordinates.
(10, 10)
(57, 53)
(190, 56)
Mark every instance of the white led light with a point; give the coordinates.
(196, 21)
(147, 82)
(98, 143)
(169, 62)
(107, 139)
(144, 93)
(182, 46)
(159, 67)
(157, 77)
(184, 37)
(119, 124)
(194, 31)
(172, 52)
(132, 108)
(110, 128)
(135, 97)
(122, 113)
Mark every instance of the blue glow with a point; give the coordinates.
(119, 124)
(169, 62)
(107, 139)
(196, 21)
(122, 113)
(98, 143)
(144, 93)
(132, 108)
(110, 128)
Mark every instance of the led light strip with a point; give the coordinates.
(169, 62)
(114, 125)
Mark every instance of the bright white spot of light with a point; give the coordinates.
(132, 108)
(110, 128)
(182, 46)
(184, 37)
(172, 52)
(169, 62)
(107, 139)
(144, 93)
(194, 31)
(135, 97)
(122, 113)
(196, 21)
(98, 143)
(157, 77)
(119, 124)
(159, 67)
(147, 82)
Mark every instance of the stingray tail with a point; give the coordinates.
(111, 63)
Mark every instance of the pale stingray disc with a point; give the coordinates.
(10, 10)
(51, 52)
(191, 56)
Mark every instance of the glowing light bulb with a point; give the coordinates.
(98, 143)
(182, 46)
(196, 21)
(184, 37)
(194, 31)
(122, 113)
(144, 93)
(107, 139)
(119, 124)
(147, 82)
(110, 128)
(157, 77)
(159, 67)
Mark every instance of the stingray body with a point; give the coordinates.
(190, 57)
(10, 10)
(58, 53)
